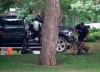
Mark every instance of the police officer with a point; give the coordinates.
(82, 32)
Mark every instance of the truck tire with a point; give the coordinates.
(62, 44)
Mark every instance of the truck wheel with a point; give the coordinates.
(62, 44)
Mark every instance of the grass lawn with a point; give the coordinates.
(66, 62)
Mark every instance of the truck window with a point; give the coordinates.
(13, 23)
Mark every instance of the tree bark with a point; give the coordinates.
(50, 33)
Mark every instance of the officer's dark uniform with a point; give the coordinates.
(82, 32)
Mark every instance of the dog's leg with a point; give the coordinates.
(80, 48)
(74, 49)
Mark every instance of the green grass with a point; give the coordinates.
(66, 62)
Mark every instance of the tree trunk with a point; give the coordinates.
(50, 33)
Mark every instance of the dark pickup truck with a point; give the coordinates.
(13, 34)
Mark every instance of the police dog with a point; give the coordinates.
(79, 47)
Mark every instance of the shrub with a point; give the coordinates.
(91, 38)
(94, 30)
(94, 36)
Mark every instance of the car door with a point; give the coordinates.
(14, 32)
(6, 37)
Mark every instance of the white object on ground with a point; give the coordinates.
(36, 52)
(4, 51)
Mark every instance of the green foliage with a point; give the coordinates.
(94, 35)
(5, 4)
(66, 7)
(87, 10)
(26, 6)
(28, 9)
(91, 39)
(34, 5)
(94, 30)
(82, 10)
